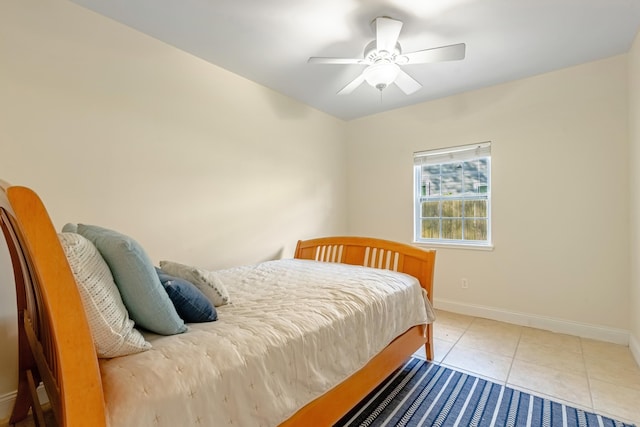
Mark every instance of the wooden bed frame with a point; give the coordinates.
(55, 343)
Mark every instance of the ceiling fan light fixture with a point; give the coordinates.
(381, 74)
(384, 57)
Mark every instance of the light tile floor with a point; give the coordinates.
(593, 375)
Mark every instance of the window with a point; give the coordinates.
(453, 195)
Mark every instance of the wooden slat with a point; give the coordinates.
(360, 251)
(26, 361)
(38, 415)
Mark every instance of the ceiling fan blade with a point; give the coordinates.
(352, 86)
(387, 33)
(319, 60)
(437, 54)
(406, 83)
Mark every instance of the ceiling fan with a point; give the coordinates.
(383, 57)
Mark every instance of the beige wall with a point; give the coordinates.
(560, 193)
(115, 128)
(634, 138)
(202, 166)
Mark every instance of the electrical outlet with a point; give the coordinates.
(464, 283)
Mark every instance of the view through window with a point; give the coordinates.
(453, 195)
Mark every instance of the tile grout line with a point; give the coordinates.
(586, 372)
(513, 358)
(459, 338)
(587, 406)
(442, 362)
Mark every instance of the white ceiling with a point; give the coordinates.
(269, 41)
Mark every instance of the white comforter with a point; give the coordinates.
(295, 329)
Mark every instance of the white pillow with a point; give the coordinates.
(207, 281)
(112, 330)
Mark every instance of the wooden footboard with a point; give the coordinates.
(375, 253)
(331, 406)
(55, 343)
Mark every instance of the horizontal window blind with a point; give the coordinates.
(450, 155)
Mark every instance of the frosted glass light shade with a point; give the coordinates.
(381, 75)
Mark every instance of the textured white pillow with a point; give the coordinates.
(207, 281)
(112, 330)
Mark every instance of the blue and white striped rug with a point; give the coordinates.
(426, 394)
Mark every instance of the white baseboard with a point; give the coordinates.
(584, 330)
(7, 401)
(6, 405)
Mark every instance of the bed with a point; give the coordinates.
(56, 346)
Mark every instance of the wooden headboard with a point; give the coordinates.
(59, 353)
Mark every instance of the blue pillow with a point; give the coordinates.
(148, 304)
(190, 303)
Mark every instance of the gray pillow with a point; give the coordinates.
(207, 281)
(142, 293)
(70, 228)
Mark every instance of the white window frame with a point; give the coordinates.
(445, 156)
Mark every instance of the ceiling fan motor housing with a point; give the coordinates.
(373, 55)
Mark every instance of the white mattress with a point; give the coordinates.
(295, 329)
